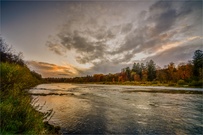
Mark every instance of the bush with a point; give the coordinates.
(171, 84)
(154, 82)
(196, 83)
(181, 82)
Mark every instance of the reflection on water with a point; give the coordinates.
(106, 109)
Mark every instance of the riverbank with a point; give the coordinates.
(194, 84)
(17, 114)
(156, 83)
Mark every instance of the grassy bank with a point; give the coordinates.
(17, 114)
(181, 83)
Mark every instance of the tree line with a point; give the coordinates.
(185, 73)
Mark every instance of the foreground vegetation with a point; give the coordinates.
(17, 114)
(185, 74)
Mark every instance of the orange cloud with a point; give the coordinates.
(52, 70)
(175, 44)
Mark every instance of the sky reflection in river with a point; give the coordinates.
(106, 109)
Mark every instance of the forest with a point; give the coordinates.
(185, 74)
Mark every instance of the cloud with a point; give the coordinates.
(190, 6)
(56, 48)
(52, 70)
(162, 26)
(163, 15)
(116, 33)
(106, 67)
(126, 28)
(177, 53)
(88, 50)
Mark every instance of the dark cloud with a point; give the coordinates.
(190, 6)
(126, 28)
(87, 50)
(165, 21)
(160, 6)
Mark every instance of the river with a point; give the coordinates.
(115, 109)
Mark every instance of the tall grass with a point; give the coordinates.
(17, 114)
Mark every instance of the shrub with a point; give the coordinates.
(154, 82)
(197, 83)
(171, 84)
(181, 82)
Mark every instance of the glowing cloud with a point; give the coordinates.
(175, 44)
(52, 70)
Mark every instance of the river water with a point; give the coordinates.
(113, 109)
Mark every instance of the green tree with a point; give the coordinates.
(198, 63)
(151, 70)
(128, 73)
(137, 68)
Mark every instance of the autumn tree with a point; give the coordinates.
(172, 72)
(98, 77)
(161, 75)
(185, 71)
(120, 79)
(144, 75)
(110, 77)
(123, 75)
(126, 73)
(136, 77)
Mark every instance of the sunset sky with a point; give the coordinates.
(77, 38)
